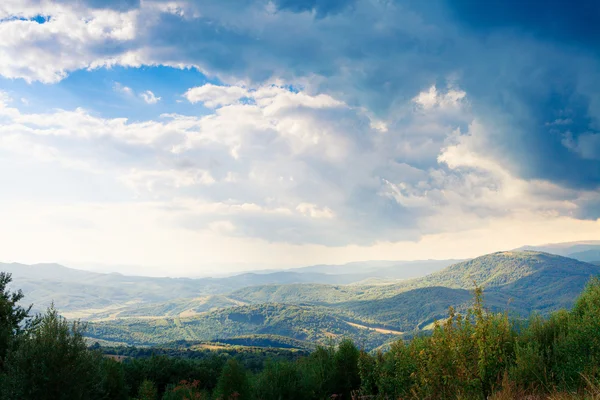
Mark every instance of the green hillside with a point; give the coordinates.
(503, 268)
(267, 341)
(418, 308)
(306, 323)
(296, 293)
(520, 282)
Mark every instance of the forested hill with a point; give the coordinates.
(93, 295)
(504, 268)
(520, 282)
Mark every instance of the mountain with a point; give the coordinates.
(296, 293)
(503, 268)
(592, 255)
(417, 309)
(91, 295)
(582, 251)
(380, 269)
(74, 290)
(519, 282)
(299, 322)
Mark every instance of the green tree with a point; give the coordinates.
(53, 363)
(15, 321)
(367, 367)
(113, 384)
(147, 391)
(184, 390)
(278, 381)
(233, 382)
(347, 374)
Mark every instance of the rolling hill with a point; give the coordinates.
(518, 281)
(298, 322)
(91, 295)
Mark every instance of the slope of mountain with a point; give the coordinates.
(86, 294)
(569, 249)
(492, 270)
(520, 282)
(517, 281)
(591, 255)
(306, 323)
(416, 309)
(267, 341)
(503, 268)
(380, 269)
(296, 293)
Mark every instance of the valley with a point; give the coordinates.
(305, 305)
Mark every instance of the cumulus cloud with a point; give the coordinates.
(384, 122)
(149, 97)
(288, 166)
(214, 96)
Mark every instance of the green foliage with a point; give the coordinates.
(185, 390)
(299, 323)
(473, 354)
(520, 281)
(347, 375)
(164, 371)
(113, 384)
(233, 383)
(147, 391)
(53, 363)
(280, 381)
(15, 321)
(395, 369)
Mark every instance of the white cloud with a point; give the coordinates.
(119, 88)
(433, 98)
(288, 166)
(149, 97)
(214, 96)
(70, 39)
(159, 181)
(313, 211)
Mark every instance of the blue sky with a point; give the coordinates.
(187, 135)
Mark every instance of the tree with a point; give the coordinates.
(147, 391)
(347, 374)
(113, 380)
(233, 382)
(15, 321)
(54, 363)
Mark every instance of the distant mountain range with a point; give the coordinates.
(91, 295)
(372, 302)
(588, 250)
(520, 282)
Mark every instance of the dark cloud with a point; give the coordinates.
(573, 22)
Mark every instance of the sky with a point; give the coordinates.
(195, 136)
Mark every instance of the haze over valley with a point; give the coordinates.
(374, 302)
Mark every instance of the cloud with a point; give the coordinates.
(117, 87)
(214, 96)
(149, 97)
(288, 166)
(394, 119)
